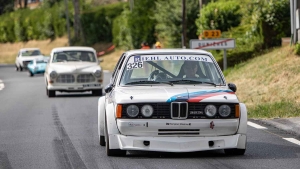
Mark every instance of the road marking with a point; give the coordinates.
(1, 85)
(292, 140)
(256, 125)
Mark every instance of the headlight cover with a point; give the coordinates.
(147, 110)
(97, 73)
(210, 110)
(53, 75)
(132, 111)
(224, 110)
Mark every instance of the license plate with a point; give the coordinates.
(91, 85)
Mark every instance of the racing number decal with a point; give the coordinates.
(134, 65)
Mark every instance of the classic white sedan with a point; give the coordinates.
(25, 56)
(170, 100)
(73, 69)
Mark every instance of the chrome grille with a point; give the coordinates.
(85, 78)
(179, 110)
(25, 63)
(65, 78)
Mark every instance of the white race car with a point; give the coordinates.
(73, 69)
(170, 100)
(25, 56)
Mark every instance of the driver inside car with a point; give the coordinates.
(190, 69)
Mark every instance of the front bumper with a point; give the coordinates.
(75, 87)
(177, 144)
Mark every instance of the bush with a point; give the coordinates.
(297, 49)
(97, 22)
(219, 16)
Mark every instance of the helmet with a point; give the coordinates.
(157, 43)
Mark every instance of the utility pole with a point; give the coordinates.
(183, 25)
(68, 24)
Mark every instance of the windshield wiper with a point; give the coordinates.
(148, 82)
(191, 81)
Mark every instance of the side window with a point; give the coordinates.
(117, 68)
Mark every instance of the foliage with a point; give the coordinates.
(283, 109)
(297, 49)
(168, 16)
(219, 15)
(121, 31)
(97, 22)
(135, 25)
(6, 6)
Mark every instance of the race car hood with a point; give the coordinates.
(74, 67)
(200, 93)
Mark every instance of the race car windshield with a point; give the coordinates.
(29, 53)
(74, 56)
(179, 70)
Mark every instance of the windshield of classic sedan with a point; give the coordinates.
(29, 53)
(173, 69)
(74, 56)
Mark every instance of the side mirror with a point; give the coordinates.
(232, 87)
(108, 88)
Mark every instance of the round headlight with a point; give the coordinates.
(210, 110)
(132, 111)
(147, 110)
(224, 110)
(97, 73)
(53, 75)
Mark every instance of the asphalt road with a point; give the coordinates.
(61, 132)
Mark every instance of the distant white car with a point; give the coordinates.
(73, 69)
(25, 56)
(171, 100)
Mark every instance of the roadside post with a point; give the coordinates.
(214, 44)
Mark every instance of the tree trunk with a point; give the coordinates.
(20, 3)
(76, 18)
(25, 3)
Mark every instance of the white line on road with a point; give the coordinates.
(255, 125)
(292, 140)
(1, 85)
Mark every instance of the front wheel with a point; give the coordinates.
(234, 151)
(102, 140)
(30, 73)
(17, 68)
(50, 93)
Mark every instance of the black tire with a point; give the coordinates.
(102, 141)
(234, 151)
(17, 68)
(112, 152)
(21, 69)
(30, 73)
(51, 93)
(97, 92)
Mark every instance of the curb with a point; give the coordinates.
(290, 128)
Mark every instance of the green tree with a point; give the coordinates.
(168, 16)
(6, 6)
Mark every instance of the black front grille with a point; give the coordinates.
(179, 110)
(163, 110)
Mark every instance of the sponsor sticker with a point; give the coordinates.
(137, 124)
(136, 62)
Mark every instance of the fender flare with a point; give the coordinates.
(101, 115)
(112, 128)
(243, 119)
